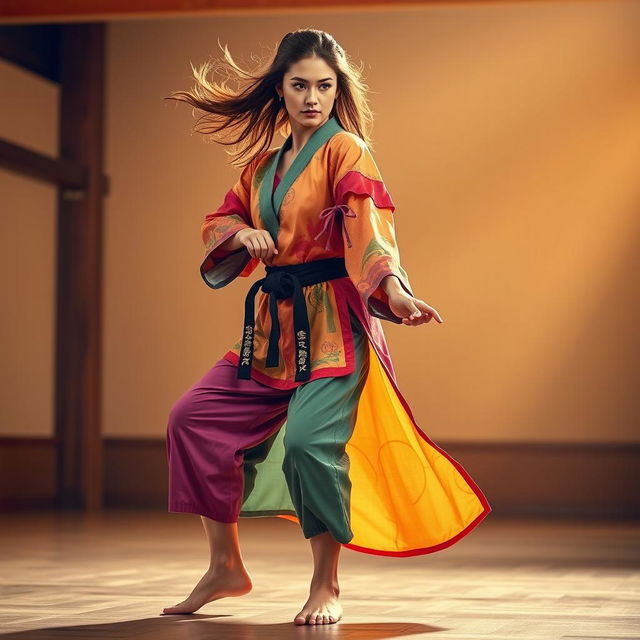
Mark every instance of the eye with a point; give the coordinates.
(301, 84)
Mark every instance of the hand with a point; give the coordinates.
(258, 243)
(413, 311)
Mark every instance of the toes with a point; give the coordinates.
(314, 618)
(171, 610)
(302, 617)
(318, 618)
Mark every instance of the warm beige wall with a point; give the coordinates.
(28, 116)
(517, 214)
(509, 138)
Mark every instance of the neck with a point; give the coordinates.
(301, 134)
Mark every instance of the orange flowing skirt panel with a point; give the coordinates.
(408, 496)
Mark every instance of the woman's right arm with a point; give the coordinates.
(225, 256)
(232, 243)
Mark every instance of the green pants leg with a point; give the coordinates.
(320, 420)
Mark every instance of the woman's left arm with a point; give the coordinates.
(412, 310)
(371, 251)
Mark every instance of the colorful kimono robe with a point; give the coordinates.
(408, 496)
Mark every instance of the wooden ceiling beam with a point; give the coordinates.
(57, 171)
(63, 173)
(17, 11)
(33, 47)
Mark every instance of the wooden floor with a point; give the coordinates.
(109, 575)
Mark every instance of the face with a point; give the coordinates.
(310, 83)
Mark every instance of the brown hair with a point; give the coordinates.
(254, 111)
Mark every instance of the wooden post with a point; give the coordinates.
(79, 270)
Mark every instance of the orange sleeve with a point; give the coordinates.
(220, 266)
(371, 250)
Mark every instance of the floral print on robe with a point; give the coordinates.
(338, 206)
(407, 496)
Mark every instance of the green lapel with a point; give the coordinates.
(270, 201)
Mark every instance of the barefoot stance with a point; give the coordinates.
(322, 607)
(214, 584)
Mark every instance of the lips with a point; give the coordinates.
(311, 111)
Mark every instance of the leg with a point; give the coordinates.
(226, 576)
(320, 421)
(322, 606)
(209, 427)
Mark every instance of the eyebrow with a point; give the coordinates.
(303, 80)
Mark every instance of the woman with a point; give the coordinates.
(302, 418)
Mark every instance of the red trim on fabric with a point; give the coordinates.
(345, 325)
(258, 376)
(231, 204)
(359, 311)
(208, 261)
(355, 182)
(354, 302)
(435, 547)
(348, 291)
(347, 341)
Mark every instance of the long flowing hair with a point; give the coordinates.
(247, 117)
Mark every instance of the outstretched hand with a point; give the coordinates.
(413, 311)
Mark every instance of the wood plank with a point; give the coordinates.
(79, 10)
(58, 171)
(69, 575)
(33, 47)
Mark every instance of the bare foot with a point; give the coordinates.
(215, 584)
(322, 607)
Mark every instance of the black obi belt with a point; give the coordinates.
(279, 283)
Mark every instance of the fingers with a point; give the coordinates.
(415, 314)
(421, 313)
(428, 311)
(435, 314)
(248, 241)
(414, 322)
(271, 249)
(260, 245)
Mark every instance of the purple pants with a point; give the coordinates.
(220, 427)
